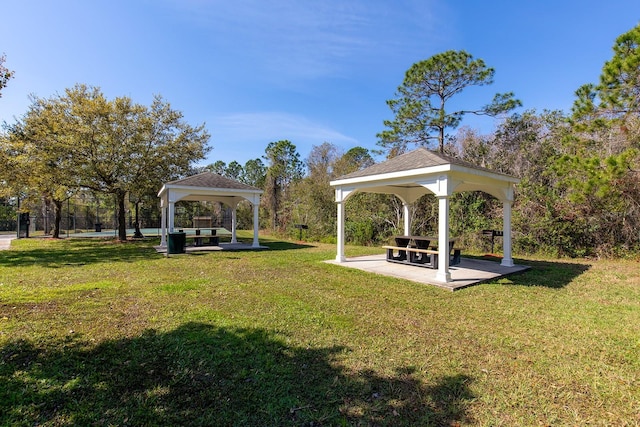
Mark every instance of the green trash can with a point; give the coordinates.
(177, 243)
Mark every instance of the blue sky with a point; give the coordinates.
(257, 71)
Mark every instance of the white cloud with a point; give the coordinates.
(251, 132)
(313, 39)
(273, 126)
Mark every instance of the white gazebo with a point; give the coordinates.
(419, 172)
(208, 186)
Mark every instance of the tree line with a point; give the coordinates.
(579, 193)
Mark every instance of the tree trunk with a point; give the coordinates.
(45, 214)
(122, 220)
(57, 212)
(138, 234)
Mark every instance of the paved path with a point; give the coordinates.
(5, 241)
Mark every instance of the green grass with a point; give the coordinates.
(94, 332)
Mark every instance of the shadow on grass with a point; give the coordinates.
(77, 252)
(279, 245)
(274, 245)
(83, 251)
(202, 375)
(551, 274)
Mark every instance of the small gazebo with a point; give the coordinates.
(419, 172)
(208, 186)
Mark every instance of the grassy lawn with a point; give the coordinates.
(94, 332)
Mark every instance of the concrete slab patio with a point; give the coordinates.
(212, 248)
(469, 272)
(5, 241)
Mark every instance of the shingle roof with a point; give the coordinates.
(416, 159)
(212, 180)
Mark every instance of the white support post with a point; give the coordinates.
(443, 274)
(256, 225)
(406, 213)
(234, 238)
(163, 237)
(172, 216)
(507, 261)
(340, 231)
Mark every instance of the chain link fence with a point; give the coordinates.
(77, 217)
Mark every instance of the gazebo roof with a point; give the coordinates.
(418, 159)
(421, 171)
(209, 186)
(211, 180)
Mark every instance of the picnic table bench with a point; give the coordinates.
(420, 253)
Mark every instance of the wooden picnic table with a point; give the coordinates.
(417, 250)
(421, 242)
